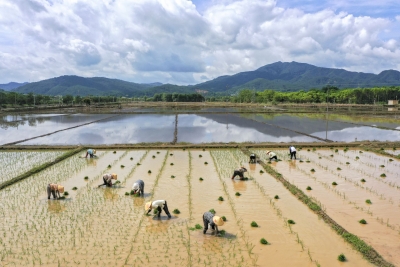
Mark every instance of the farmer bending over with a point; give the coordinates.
(239, 172)
(252, 158)
(213, 221)
(157, 204)
(54, 189)
(107, 178)
(138, 187)
(292, 151)
(272, 156)
(90, 152)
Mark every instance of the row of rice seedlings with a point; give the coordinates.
(14, 163)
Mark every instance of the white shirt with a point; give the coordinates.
(157, 203)
(135, 186)
(292, 149)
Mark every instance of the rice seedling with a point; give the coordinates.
(149, 171)
(74, 188)
(341, 258)
(334, 183)
(383, 175)
(309, 188)
(253, 224)
(176, 211)
(291, 222)
(312, 170)
(368, 201)
(212, 211)
(172, 176)
(62, 197)
(221, 198)
(276, 197)
(223, 218)
(363, 180)
(86, 177)
(122, 166)
(261, 171)
(206, 163)
(263, 241)
(362, 221)
(338, 168)
(237, 194)
(201, 179)
(198, 226)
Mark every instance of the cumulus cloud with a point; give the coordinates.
(176, 42)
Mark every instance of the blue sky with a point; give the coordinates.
(188, 42)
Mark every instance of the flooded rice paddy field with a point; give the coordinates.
(104, 227)
(199, 128)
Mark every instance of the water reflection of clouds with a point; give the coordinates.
(361, 133)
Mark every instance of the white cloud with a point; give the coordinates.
(170, 41)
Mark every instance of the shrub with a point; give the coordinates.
(74, 188)
(383, 175)
(309, 188)
(237, 194)
(223, 218)
(66, 193)
(368, 201)
(176, 211)
(362, 221)
(198, 226)
(221, 198)
(254, 224)
(276, 197)
(149, 171)
(212, 211)
(341, 258)
(291, 222)
(86, 178)
(312, 170)
(201, 179)
(334, 183)
(263, 241)
(363, 180)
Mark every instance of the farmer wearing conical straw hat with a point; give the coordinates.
(107, 178)
(213, 221)
(90, 152)
(157, 204)
(55, 190)
(272, 156)
(239, 172)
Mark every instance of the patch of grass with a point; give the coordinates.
(212, 211)
(312, 170)
(383, 175)
(172, 176)
(263, 241)
(291, 222)
(201, 179)
(86, 177)
(253, 224)
(238, 194)
(221, 198)
(341, 258)
(368, 201)
(261, 171)
(276, 197)
(74, 188)
(334, 183)
(362, 221)
(363, 180)
(223, 218)
(149, 171)
(198, 226)
(309, 188)
(176, 211)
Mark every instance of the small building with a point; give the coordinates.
(393, 102)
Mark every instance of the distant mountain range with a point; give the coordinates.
(10, 86)
(279, 76)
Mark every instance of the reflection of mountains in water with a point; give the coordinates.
(305, 125)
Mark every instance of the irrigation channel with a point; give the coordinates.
(107, 227)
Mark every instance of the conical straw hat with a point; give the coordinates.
(147, 205)
(268, 152)
(218, 221)
(60, 188)
(94, 151)
(114, 176)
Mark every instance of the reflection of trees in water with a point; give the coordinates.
(32, 121)
(56, 206)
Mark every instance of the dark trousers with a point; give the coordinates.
(237, 173)
(293, 154)
(274, 157)
(252, 159)
(105, 183)
(51, 192)
(165, 208)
